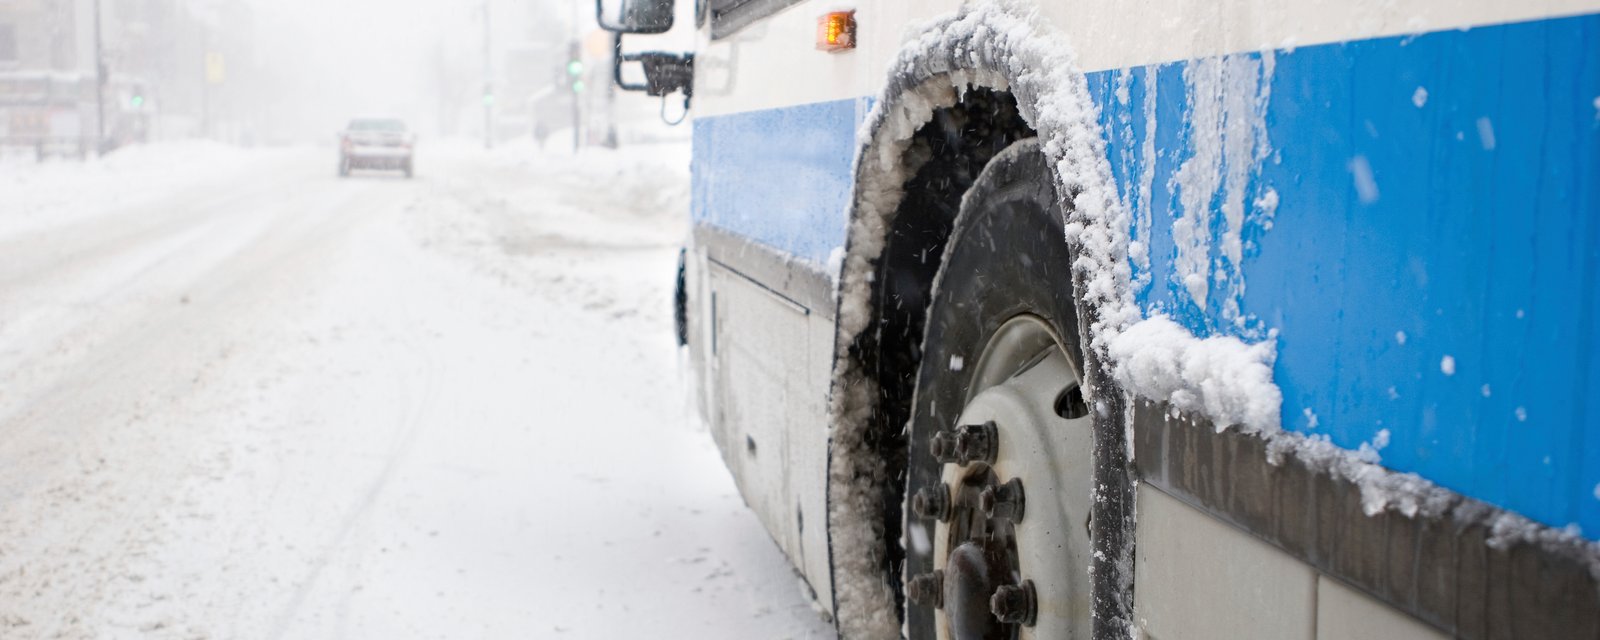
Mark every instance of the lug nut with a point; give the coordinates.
(932, 502)
(943, 447)
(927, 589)
(1003, 501)
(976, 443)
(1014, 604)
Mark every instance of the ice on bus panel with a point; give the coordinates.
(1192, 320)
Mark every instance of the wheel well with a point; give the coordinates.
(952, 149)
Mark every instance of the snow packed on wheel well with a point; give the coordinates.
(946, 110)
(944, 157)
(990, 70)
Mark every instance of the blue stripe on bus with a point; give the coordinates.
(1486, 253)
(779, 176)
(1479, 242)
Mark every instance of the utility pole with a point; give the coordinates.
(575, 71)
(99, 85)
(611, 109)
(488, 83)
(575, 56)
(205, 81)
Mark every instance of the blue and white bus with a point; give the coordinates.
(1166, 319)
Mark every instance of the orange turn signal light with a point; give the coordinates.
(836, 31)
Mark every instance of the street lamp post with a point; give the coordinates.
(488, 83)
(99, 85)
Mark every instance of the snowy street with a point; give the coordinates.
(241, 397)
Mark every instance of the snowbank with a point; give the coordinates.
(59, 192)
(629, 196)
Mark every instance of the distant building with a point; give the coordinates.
(154, 52)
(47, 75)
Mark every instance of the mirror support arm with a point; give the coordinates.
(664, 72)
(616, 63)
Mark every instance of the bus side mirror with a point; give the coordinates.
(664, 73)
(636, 16)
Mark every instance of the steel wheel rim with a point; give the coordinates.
(1023, 372)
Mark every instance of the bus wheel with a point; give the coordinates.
(1001, 441)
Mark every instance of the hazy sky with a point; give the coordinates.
(410, 58)
(298, 70)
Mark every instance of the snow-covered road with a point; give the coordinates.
(242, 398)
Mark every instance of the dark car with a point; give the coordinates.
(376, 143)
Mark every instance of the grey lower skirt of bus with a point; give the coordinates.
(1444, 567)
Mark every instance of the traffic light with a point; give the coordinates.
(575, 73)
(488, 99)
(137, 101)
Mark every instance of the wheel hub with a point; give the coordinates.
(971, 576)
(1020, 449)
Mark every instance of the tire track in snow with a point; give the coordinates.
(399, 449)
(126, 351)
(108, 526)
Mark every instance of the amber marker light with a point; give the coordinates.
(836, 31)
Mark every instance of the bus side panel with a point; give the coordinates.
(770, 189)
(1420, 225)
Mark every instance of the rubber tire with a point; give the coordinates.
(1007, 256)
